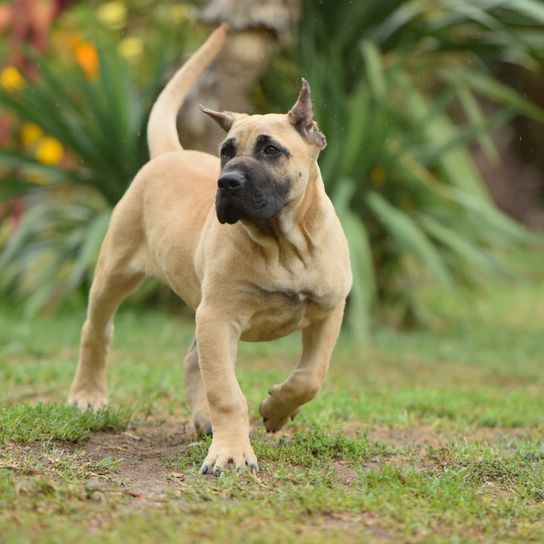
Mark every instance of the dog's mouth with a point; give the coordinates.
(227, 213)
(230, 212)
(230, 209)
(251, 204)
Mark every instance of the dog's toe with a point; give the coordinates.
(88, 401)
(274, 416)
(222, 454)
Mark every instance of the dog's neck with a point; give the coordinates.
(292, 236)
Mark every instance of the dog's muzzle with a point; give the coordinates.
(249, 193)
(229, 191)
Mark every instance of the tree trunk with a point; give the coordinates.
(258, 29)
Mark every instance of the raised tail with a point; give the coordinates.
(162, 134)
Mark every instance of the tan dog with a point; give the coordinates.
(251, 242)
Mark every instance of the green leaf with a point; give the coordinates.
(363, 293)
(476, 118)
(462, 246)
(353, 147)
(503, 230)
(374, 70)
(503, 94)
(457, 164)
(92, 240)
(533, 10)
(410, 237)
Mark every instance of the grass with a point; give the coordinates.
(432, 435)
(32, 423)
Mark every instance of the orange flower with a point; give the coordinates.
(49, 151)
(11, 79)
(87, 57)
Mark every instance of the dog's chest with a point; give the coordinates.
(280, 311)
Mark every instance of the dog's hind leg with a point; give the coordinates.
(112, 282)
(284, 399)
(196, 393)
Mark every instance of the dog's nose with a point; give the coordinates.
(231, 181)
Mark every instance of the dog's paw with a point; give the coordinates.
(88, 400)
(223, 452)
(275, 415)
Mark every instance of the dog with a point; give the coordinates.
(250, 241)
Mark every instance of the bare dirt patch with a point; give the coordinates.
(140, 463)
(365, 523)
(429, 436)
(345, 474)
(145, 457)
(417, 437)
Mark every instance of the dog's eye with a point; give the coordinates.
(271, 150)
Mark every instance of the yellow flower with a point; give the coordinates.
(179, 13)
(131, 48)
(87, 57)
(30, 132)
(11, 79)
(49, 151)
(112, 14)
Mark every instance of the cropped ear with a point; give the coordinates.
(225, 119)
(301, 115)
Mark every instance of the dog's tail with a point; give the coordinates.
(162, 135)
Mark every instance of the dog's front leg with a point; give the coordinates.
(284, 399)
(217, 339)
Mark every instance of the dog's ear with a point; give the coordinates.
(225, 119)
(301, 115)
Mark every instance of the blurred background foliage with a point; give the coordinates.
(398, 89)
(407, 92)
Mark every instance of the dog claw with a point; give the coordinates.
(204, 469)
(217, 472)
(252, 467)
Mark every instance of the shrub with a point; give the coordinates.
(397, 87)
(82, 138)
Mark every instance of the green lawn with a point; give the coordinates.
(427, 436)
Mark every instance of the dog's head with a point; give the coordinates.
(265, 160)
